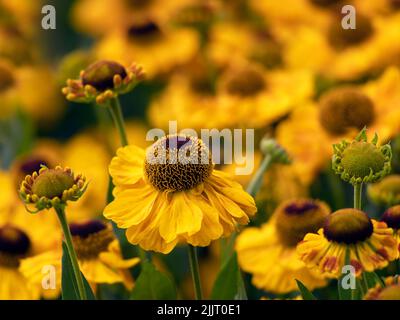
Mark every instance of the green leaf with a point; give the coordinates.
(69, 286)
(227, 286)
(153, 285)
(305, 293)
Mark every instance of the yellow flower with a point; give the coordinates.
(189, 105)
(21, 236)
(391, 291)
(152, 43)
(269, 252)
(392, 218)
(172, 193)
(370, 244)
(87, 14)
(99, 257)
(256, 98)
(386, 192)
(306, 142)
(343, 54)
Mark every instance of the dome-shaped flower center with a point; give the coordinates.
(340, 37)
(392, 217)
(348, 226)
(144, 30)
(360, 158)
(14, 244)
(177, 163)
(245, 83)
(345, 108)
(6, 78)
(296, 218)
(100, 74)
(91, 238)
(51, 183)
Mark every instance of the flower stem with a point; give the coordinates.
(118, 118)
(194, 268)
(71, 251)
(255, 183)
(357, 195)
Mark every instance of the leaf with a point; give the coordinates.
(227, 286)
(69, 286)
(153, 285)
(305, 293)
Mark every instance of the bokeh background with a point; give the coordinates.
(269, 65)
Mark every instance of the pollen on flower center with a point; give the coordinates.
(348, 226)
(14, 244)
(296, 218)
(392, 217)
(91, 238)
(52, 183)
(177, 163)
(100, 74)
(340, 37)
(362, 157)
(246, 82)
(345, 108)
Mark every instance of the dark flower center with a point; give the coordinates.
(341, 38)
(91, 238)
(348, 226)
(345, 108)
(32, 164)
(296, 218)
(245, 83)
(144, 30)
(392, 217)
(100, 74)
(6, 78)
(178, 163)
(13, 241)
(84, 230)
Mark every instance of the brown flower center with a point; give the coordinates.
(348, 226)
(6, 78)
(14, 245)
(392, 217)
(144, 30)
(100, 74)
(345, 108)
(341, 38)
(245, 83)
(296, 218)
(91, 238)
(177, 163)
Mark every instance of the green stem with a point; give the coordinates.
(357, 195)
(71, 251)
(118, 118)
(256, 182)
(194, 268)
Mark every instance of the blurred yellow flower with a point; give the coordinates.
(162, 204)
(269, 252)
